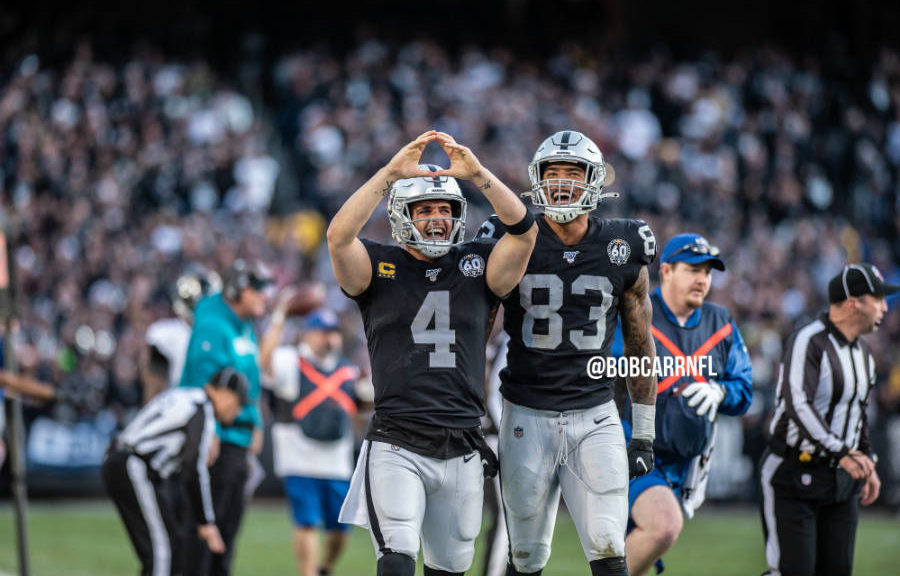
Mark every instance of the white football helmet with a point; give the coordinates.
(572, 197)
(410, 190)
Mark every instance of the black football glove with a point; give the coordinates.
(490, 462)
(488, 458)
(640, 457)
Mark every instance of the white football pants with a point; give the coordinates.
(579, 453)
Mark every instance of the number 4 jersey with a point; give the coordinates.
(564, 311)
(426, 326)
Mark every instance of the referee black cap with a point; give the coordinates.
(230, 379)
(857, 280)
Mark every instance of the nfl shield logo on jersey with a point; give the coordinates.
(618, 251)
(432, 274)
(471, 265)
(569, 255)
(518, 432)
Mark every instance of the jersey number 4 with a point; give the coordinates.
(555, 288)
(436, 306)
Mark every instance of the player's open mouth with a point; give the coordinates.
(436, 233)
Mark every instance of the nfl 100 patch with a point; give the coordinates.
(570, 255)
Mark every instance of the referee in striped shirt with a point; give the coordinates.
(170, 441)
(819, 465)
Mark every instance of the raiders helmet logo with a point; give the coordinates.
(618, 251)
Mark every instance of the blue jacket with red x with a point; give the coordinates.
(709, 331)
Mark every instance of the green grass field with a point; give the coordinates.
(86, 538)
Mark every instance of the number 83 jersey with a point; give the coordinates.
(426, 326)
(564, 311)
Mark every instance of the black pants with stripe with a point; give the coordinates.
(810, 513)
(228, 476)
(147, 507)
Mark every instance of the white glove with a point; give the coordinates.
(705, 398)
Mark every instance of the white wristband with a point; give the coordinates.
(643, 420)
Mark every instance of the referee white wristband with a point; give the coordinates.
(643, 420)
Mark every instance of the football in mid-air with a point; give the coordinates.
(307, 298)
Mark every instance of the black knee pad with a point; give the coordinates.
(609, 567)
(433, 572)
(396, 564)
(511, 571)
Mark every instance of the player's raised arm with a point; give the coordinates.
(348, 255)
(508, 260)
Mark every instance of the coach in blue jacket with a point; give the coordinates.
(687, 403)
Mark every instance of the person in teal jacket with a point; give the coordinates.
(224, 336)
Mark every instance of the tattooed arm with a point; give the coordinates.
(636, 313)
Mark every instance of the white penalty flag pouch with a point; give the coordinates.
(693, 493)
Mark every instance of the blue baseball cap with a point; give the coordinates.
(691, 249)
(321, 319)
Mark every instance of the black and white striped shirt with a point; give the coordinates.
(823, 388)
(174, 432)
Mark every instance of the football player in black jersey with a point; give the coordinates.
(560, 431)
(425, 307)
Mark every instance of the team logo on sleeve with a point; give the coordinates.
(618, 251)
(471, 265)
(432, 274)
(569, 255)
(386, 270)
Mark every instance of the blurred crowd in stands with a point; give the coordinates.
(114, 176)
